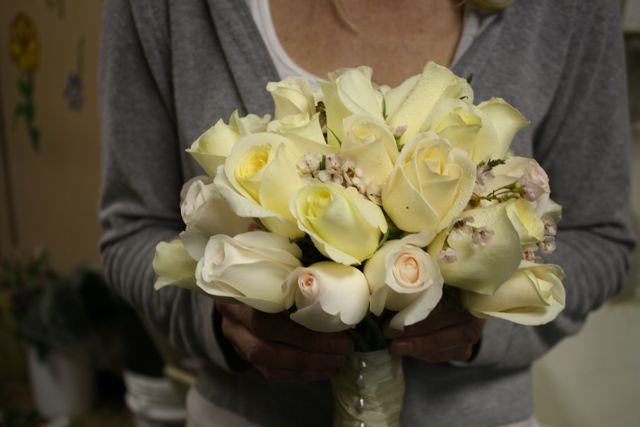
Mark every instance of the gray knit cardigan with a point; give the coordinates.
(171, 68)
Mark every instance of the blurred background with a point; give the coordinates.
(49, 186)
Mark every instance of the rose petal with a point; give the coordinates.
(174, 266)
(506, 121)
(434, 83)
(503, 253)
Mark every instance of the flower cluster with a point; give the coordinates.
(363, 200)
(331, 168)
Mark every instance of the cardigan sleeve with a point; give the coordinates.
(583, 145)
(142, 176)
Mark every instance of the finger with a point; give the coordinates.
(429, 345)
(430, 324)
(271, 355)
(447, 303)
(280, 328)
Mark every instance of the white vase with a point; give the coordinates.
(369, 391)
(154, 401)
(62, 381)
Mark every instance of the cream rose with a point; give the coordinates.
(500, 250)
(342, 224)
(429, 186)
(250, 267)
(329, 297)
(349, 91)
(292, 96)
(258, 179)
(403, 278)
(369, 143)
(212, 147)
(203, 209)
(484, 131)
(534, 295)
(174, 266)
(436, 83)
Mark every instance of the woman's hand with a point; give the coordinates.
(281, 350)
(448, 334)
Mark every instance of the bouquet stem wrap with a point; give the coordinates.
(369, 391)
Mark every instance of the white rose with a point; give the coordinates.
(259, 178)
(292, 96)
(481, 268)
(403, 278)
(350, 91)
(429, 186)
(174, 266)
(329, 297)
(434, 84)
(342, 224)
(302, 127)
(484, 131)
(203, 209)
(212, 147)
(534, 295)
(250, 267)
(369, 143)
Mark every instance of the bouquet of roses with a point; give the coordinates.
(359, 202)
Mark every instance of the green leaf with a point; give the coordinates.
(336, 136)
(24, 88)
(19, 111)
(493, 163)
(30, 111)
(34, 136)
(384, 108)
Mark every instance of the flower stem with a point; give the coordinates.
(359, 343)
(380, 341)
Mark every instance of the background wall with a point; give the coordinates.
(631, 15)
(592, 379)
(55, 188)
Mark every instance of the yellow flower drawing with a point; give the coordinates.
(23, 43)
